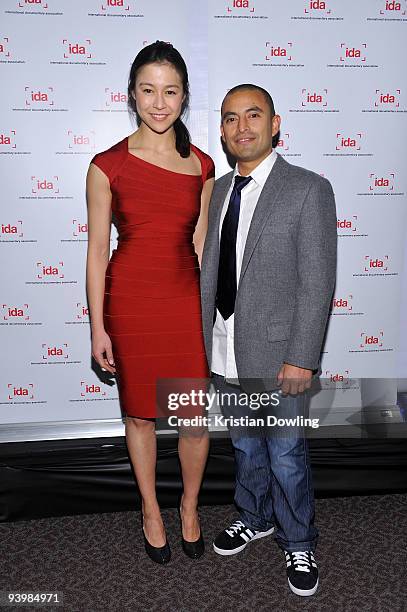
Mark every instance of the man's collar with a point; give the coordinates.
(261, 172)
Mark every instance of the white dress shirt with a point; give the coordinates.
(223, 351)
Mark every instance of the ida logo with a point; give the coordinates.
(11, 230)
(389, 6)
(345, 142)
(4, 47)
(77, 50)
(342, 304)
(15, 313)
(310, 98)
(374, 264)
(348, 225)
(54, 352)
(368, 340)
(39, 97)
(382, 183)
(284, 142)
(115, 4)
(275, 51)
(115, 98)
(46, 271)
(82, 311)
(338, 377)
(8, 139)
(91, 390)
(317, 6)
(241, 5)
(44, 185)
(31, 3)
(350, 54)
(80, 140)
(15, 392)
(79, 229)
(387, 99)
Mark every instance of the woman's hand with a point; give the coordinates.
(102, 351)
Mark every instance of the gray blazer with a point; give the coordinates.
(287, 276)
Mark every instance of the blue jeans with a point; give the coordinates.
(273, 476)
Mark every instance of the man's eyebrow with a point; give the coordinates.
(248, 110)
(255, 108)
(228, 114)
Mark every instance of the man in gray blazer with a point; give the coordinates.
(268, 274)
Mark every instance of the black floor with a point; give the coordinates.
(98, 562)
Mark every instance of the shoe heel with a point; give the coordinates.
(158, 554)
(193, 550)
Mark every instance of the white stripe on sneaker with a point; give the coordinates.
(241, 536)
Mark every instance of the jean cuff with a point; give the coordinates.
(248, 521)
(293, 547)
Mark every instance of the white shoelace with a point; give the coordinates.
(301, 560)
(235, 528)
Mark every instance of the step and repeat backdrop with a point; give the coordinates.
(334, 70)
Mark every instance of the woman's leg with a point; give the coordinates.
(193, 447)
(142, 447)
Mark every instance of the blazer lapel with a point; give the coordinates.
(270, 192)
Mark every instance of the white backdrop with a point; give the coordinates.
(335, 72)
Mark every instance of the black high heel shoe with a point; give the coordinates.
(158, 554)
(193, 550)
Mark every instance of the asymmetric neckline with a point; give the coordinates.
(143, 161)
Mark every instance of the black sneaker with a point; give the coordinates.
(236, 537)
(302, 572)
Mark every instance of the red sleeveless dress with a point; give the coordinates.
(152, 309)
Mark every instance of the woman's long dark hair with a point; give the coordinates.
(163, 52)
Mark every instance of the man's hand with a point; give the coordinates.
(293, 380)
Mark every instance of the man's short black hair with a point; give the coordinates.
(251, 86)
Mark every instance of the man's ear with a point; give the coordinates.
(222, 133)
(276, 122)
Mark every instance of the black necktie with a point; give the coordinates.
(227, 283)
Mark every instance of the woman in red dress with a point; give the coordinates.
(145, 302)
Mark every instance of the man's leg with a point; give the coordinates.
(292, 488)
(253, 477)
(293, 497)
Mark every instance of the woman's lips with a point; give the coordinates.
(158, 117)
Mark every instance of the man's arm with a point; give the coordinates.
(316, 265)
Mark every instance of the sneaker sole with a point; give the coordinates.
(302, 592)
(226, 553)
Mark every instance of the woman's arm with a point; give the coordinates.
(202, 223)
(99, 202)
